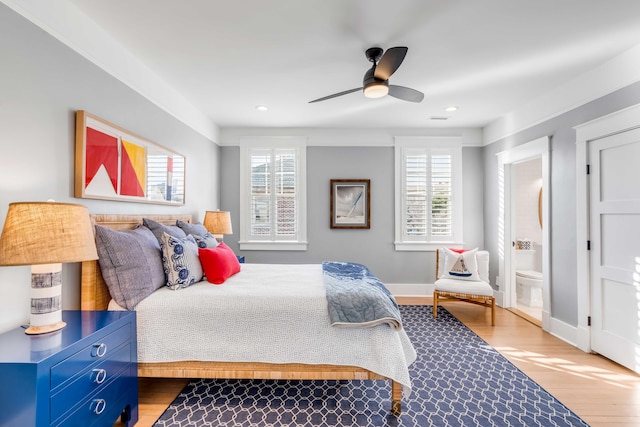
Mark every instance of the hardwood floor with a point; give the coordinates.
(600, 391)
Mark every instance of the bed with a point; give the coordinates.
(388, 356)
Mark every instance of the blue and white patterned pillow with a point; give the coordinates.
(181, 262)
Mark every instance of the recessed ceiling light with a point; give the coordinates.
(451, 108)
(262, 108)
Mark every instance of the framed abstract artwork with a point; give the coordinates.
(350, 203)
(115, 164)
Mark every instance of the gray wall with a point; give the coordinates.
(563, 284)
(42, 84)
(373, 247)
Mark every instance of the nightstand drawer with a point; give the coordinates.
(99, 350)
(90, 381)
(104, 406)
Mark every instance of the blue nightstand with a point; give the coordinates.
(84, 374)
(240, 259)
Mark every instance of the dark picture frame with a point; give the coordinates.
(350, 203)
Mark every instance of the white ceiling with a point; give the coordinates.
(488, 57)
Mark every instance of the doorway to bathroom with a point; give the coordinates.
(523, 228)
(526, 188)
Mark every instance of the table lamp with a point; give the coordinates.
(45, 235)
(218, 223)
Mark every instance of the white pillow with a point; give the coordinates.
(462, 266)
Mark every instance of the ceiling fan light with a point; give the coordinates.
(376, 90)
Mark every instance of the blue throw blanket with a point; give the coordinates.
(357, 298)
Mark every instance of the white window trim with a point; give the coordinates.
(271, 142)
(452, 143)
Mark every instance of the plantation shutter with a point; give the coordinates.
(416, 193)
(273, 194)
(260, 221)
(286, 224)
(441, 189)
(427, 192)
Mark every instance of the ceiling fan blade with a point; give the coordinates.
(336, 95)
(405, 93)
(390, 62)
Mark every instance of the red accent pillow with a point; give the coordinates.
(218, 263)
(460, 251)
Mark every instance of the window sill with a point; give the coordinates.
(272, 246)
(425, 247)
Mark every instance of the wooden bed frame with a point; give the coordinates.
(95, 296)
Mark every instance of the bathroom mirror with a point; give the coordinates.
(540, 207)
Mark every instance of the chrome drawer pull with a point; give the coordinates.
(99, 350)
(99, 375)
(98, 406)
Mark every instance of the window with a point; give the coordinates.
(428, 193)
(273, 201)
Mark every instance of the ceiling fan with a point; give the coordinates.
(375, 83)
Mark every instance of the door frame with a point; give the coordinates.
(602, 127)
(538, 148)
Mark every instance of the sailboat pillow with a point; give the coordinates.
(460, 266)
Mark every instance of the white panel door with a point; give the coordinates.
(615, 247)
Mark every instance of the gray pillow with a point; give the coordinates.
(197, 228)
(158, 229)
(203, 238)
(131, 264)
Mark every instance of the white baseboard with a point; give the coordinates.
(584, 339)
(565, 332)
(546, 320)
(499, 295)
(410, 289)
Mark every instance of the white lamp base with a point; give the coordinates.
(46, 299)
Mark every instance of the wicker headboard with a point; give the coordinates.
(94, 294)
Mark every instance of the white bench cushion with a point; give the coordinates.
(464, 287)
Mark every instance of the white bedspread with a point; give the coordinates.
(275, 313)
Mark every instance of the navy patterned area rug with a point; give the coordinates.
(458, 380)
